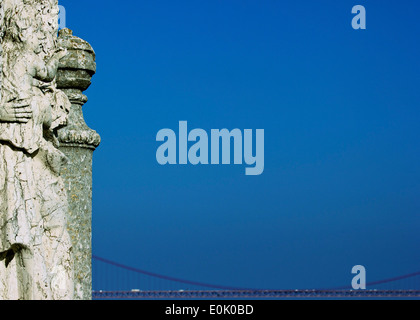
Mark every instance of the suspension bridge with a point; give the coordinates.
(112, 280)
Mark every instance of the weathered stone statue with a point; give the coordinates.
(35, 248)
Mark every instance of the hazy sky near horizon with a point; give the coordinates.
(340, 110)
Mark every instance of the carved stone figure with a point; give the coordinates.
(35, 247)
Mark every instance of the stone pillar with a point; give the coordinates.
(78, 142)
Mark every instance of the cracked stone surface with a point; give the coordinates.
(36, 259)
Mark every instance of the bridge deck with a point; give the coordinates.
(256, 294)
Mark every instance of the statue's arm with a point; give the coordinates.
(47, 71)
(15, 112)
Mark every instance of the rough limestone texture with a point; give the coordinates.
(78, 180)
(36, 260)
(77, 142)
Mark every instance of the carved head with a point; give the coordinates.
(22, 26)
(60, 110)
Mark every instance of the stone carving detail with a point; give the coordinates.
(35, 248)
(78, 142)
(74, 75)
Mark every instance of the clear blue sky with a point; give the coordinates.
(340, 110)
